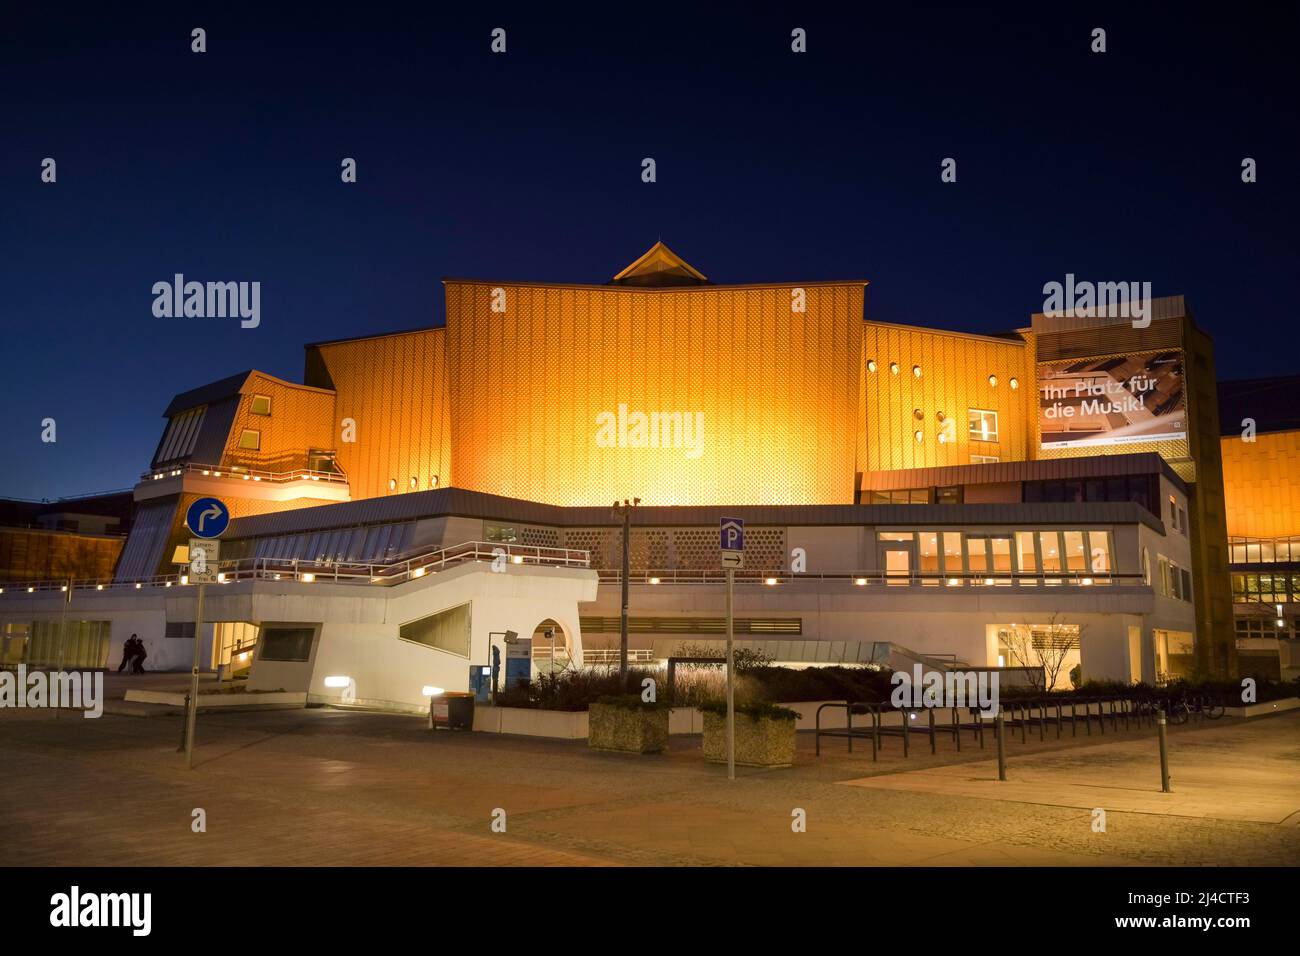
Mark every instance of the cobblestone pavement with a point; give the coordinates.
(324, 787)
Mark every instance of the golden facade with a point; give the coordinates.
(1261, 493)
(556, 398)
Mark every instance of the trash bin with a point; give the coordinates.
(453, 710)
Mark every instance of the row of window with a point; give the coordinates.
(1265, 588)
(1264, 627)
(916, 372)
(1172, 581)
(1010, 552)
(1263, 550)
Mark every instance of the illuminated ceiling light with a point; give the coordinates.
(1281, 622)
(431, 691)
(993, 381)
(64, 588)
(246, 477)
(770, 582)
(871, 365)
(168, 584)
(275, 577)
(860, 582)
(221, 577)
(337, 681)
(916, 370)
(30, 590)
(308, 578)
(205, 472)
(99, 587)
(244, 656)
(185, 579)
(1086, 582)
(257, 478)
(893, 367)
(654, 580)
(517, 559)
(315, 477)
(1279, 609)
(920, 436)
(216, 474)
(137, 585)
(1015, 384)
(418, 573)
(988, 582)
(952, 582)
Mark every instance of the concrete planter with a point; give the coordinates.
(760, 741)
(274, 700)
(627, 729)
(1264, 709)
(526, 722)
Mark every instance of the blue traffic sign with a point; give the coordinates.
(732, 534)
(207, 518)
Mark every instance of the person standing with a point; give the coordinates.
(129, 649)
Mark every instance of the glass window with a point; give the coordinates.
(983, 425)
(929, 552)
(1000, 554)
(1099, 550)
(260, 405)
(977, 553)
(250, 439)
(1050, 548)
(1252, 552)
(948, 496)
(1267, 555)
(1238, 551)
(1025, 551)
(895, 535)
(500, 534)
(952, 552)
(445, 631)
(983, 459)
(286, 643)
(1076, 557)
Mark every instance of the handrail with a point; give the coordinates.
(248, 474)
(778, 576)
(347, 572)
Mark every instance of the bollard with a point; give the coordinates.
(1164, 754)
(184, 725)
(999, 730)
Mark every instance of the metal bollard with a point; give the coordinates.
(184, 725)
(999, 730)
(1164, 754)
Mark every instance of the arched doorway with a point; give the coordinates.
(552, 648)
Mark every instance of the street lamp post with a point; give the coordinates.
(624, 511)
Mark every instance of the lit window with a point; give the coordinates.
(1014, 383)
(983, 424)
(993, 381)
(983, 459)
(250, 439)
(916, 370)
(893, 367)
(261, 405)
(871, 365)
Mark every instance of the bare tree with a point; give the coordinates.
(1042, 650)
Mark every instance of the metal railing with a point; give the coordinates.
(247, 474)
(341, 572)
(772, 578)
(1026, 714)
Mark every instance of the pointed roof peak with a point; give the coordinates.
(660, 266)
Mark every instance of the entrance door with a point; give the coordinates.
(896, 556)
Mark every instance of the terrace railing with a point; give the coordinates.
(385, 574)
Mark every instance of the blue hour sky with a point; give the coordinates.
(224, 166)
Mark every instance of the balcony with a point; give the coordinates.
(243, 482)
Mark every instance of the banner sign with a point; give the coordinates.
(1114, 401)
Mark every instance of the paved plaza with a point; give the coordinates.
(326, 787)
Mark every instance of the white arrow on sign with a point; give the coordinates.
(212, 512)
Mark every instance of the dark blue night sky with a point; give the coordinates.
(771, 166)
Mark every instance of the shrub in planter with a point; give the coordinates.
(628, 725)
(764, 735)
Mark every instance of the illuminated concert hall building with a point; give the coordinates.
(908, 492)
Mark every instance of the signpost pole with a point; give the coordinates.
(63, 637)
(731, 684)
(192, 712)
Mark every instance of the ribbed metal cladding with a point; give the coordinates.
(775, 389)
